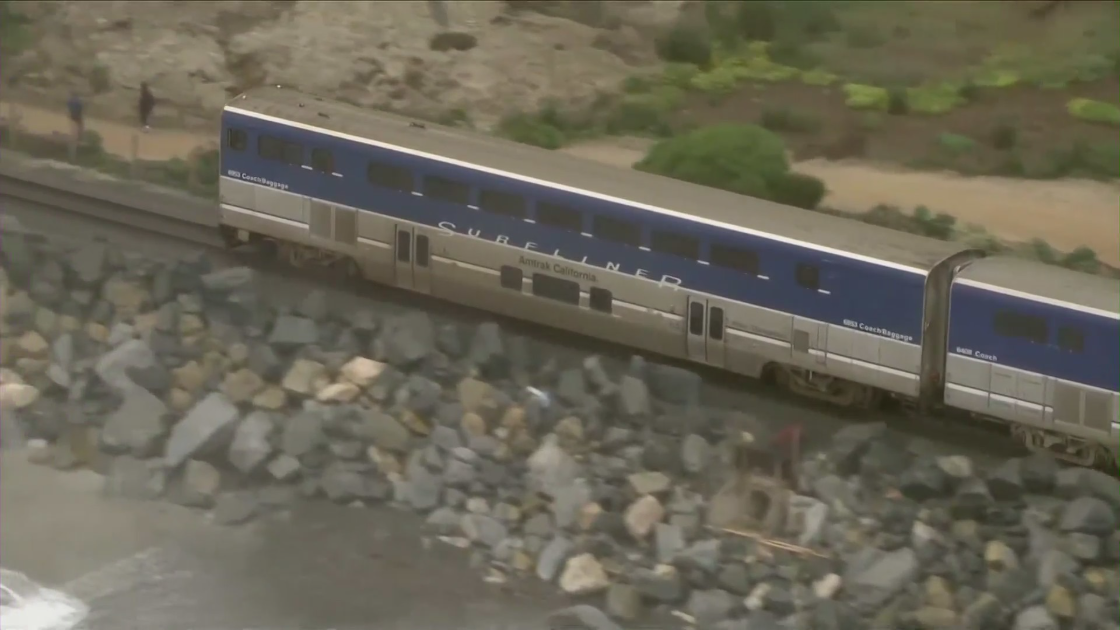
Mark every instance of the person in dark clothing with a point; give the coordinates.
(147, 104)
(77, 119)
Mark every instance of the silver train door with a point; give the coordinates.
(705, 330)
(412, 255)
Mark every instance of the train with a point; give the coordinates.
(827, 307)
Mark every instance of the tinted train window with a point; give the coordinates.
(743, 260)
(675, 244)
(695, 318)
(557, 216)
(1071, 339)
(1017, 325)
(446, 189)
(322, 160)
(505, 204)
(601, 300)
(511, 278)
(617, 230)
(391, 177)
(555, 289)
(270, 148)
(236, 139)
(808, 276)
(293, 153)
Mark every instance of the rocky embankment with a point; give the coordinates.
(181, 382)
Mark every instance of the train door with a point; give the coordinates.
(412, 256)
(705, 331)
(810, 341)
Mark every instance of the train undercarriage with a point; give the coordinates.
(837, 391)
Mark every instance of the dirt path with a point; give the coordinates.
(1066, 213)
(157, 144)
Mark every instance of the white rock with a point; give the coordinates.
(827, 586)
(583, 575)
(362, 371)
(304, 377)
(338, 392)
(32, 344)
(9, 376)
(643, 515)
(17, 395)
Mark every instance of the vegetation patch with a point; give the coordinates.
(744, 159)
(858, 96)
(1094, 111)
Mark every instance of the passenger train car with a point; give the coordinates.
(829, 307)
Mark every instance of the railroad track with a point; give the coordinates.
(194, 221)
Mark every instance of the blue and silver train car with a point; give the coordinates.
(833, 307)
(1038, 346)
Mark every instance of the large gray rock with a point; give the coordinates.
(227, 280)
(205, 426)
(581, 617)
(1088, 515)
(251, 444)
(303, 434)
(873, 576)
(113, 366)
(132, 478)
(290, 331)
(137, 426)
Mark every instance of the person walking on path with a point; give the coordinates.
(147, 104)
(75, 107)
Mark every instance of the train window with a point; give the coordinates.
(446, 189)
(236, 139)
(511, 278)
(293, 153)
(675, 244)
(808, 276)
(557, 289)
(743, 260)
(322, 160)
(601, 300)
(503, 203)
(715, 323)
(270, 148)
(1029, 327)
(617, 230)
(695, 318)
(557, 216)
(391, 177)
(1071, 339)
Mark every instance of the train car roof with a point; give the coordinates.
(624, 185)
(1047, 283)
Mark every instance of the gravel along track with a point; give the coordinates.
(260, 397)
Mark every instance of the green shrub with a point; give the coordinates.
(15, 36)
(1094, 111)
(933, 99)
(792, 120)
(683, 44)
(1005, 136)
(898, 102)
(969, 91)
(533, 130)
(679, 75)
(940, 226)
(798, 190)
(636, 84)
(788, 51)
(956, 143)
(1082, 259)
(741, 158)
(206, 168)
(644, 113)
(816, 76)
(859, 96)
(1042, 250)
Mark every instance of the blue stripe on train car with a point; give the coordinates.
(972, 333)
(875, 298)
